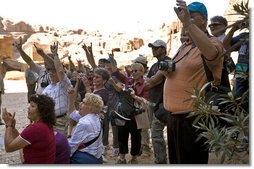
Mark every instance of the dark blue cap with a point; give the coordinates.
(198, 7)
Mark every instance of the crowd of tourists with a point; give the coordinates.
(73, 107)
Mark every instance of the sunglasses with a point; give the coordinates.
(134, 71)
(214, 24)
(156, 48)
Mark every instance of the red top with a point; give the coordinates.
(42, 145)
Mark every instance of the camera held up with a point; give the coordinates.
(167, 65)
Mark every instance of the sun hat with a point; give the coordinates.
(140, 59)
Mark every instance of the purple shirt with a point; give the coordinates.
(62, 149)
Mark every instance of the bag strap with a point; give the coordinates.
(208, 72)
(92, 141)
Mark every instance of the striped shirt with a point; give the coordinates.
(59, 93)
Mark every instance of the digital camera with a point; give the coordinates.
(167, 65)
(82, 75)
(44, 84)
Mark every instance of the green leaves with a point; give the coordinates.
(225, 140)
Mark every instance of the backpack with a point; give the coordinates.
(126, 109)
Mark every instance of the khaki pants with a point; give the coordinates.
(62, 124)
(1, 122)
(158, 141)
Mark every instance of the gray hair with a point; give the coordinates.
(103, 72)
(219, 19)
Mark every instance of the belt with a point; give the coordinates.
(61, 115)
(182, 113)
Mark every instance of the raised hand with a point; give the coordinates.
(79, 61)
(88, 49)
(54, 48)
(111, 55)
(182, 11)
(8, 118)
(18, 44)
(84, 79)
(111, 81)
(70, 90)
(89, 54)
(39, 50)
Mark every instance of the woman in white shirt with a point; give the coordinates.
(88, 128)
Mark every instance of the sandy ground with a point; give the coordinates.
(15, 100)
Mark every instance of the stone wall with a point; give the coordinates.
(6, 48)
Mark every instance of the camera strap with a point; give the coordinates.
(192, 47)
(208, 72)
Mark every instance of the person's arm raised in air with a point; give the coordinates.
(81, 68)
(115, 71)
(228, 38)
(117, 86)
(71, 107)
(198, 35)
(45, 57)
(25, 57)
(89, 55)
(58, 65)
(86, 83)
(71, 64)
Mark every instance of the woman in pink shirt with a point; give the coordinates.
(37, 140)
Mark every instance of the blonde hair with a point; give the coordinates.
(94, 101)
(138, 66)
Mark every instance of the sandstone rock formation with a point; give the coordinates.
(126, 46)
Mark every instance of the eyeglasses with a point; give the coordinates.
(214, 25)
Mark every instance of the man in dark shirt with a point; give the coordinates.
(159, 49)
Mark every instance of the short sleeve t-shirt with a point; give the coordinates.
(42, 144)
(62, 149)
